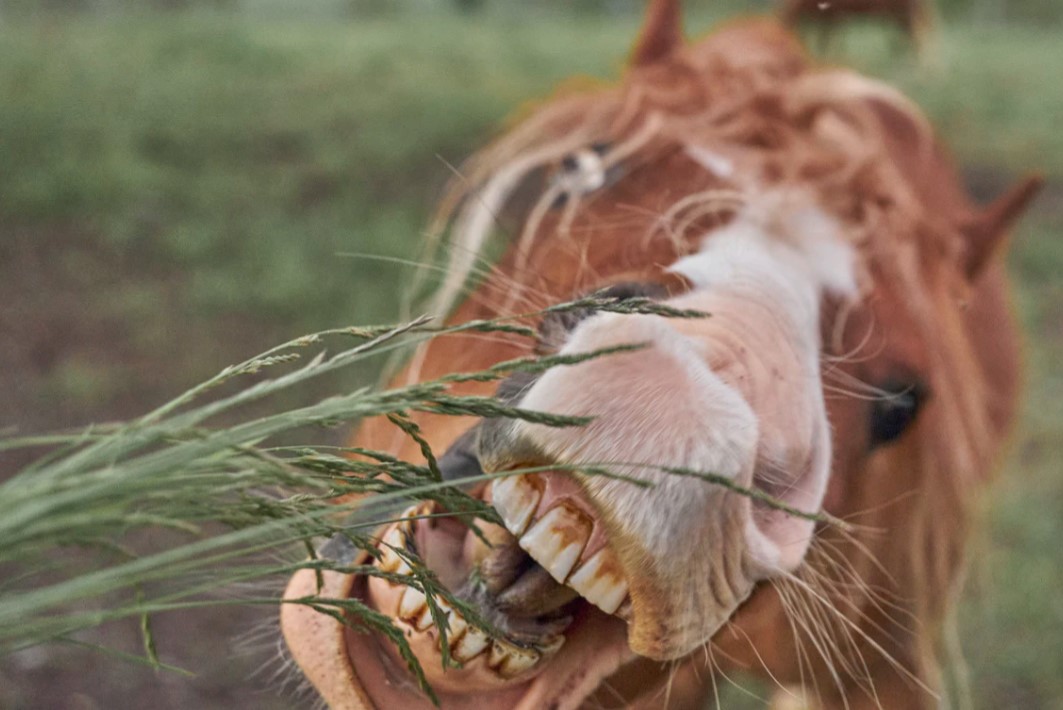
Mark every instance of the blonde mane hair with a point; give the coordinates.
(748, 94)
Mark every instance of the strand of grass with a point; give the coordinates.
(428, 396)
(128, 657)
(43, 599)
(107, 470)
(33, 511)
(757, 495)
(638, 305)
(33, 442)
(425, 580)
(276, 355)
(103, 450)
(94, 619)
(408, 427)
(536, 364)
(140, 432)
(181, 563)
(378, 346)
(419, 325)
(171, 564)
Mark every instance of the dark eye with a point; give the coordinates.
(895, 410)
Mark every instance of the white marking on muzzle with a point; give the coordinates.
(803, 253)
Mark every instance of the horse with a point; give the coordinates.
(850, 391)
(913, 17)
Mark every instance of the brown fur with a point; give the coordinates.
(860, 624)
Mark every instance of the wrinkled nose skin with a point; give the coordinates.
(690, 400)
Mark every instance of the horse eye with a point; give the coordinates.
(894, 412)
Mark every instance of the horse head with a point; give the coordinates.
(849, 389)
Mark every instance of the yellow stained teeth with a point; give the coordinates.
(516, 498)
(390, 560)
(509, 660)
(405, 518)
(456, 624)
(551, 646)
(471, 644)
(600, 581)
(556, 540)
(413, 609)
(398, 537)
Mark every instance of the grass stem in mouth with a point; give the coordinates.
(237, 507)
(224, 503)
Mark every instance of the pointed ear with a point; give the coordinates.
(986, 230)
(662, 33)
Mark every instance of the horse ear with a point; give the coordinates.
(987, 228)
(662, 33)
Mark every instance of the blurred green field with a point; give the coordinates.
(179, 191)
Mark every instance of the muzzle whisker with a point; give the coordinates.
(820, 632)
(846, 652)
(804, 661)
(884, 654)
(819, 635)
(882, 598)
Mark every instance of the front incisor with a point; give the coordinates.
(600, 581)
(557, 539)
(516, 498)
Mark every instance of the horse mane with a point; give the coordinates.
(748, 93)
(776, 130)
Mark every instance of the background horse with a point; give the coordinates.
(913, 17)
(860, 359)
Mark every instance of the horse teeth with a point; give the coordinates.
(470, 645)
(624, 612)
(456, 624)
(516, 498)
(405, 517)
(551, 646)
(390, 560)
(557, 539)
(509, 660)
(600, 581)
(413, 609)
(399, 536)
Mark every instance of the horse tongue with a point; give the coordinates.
(501, 564)
(515, 583)
(534, 594)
